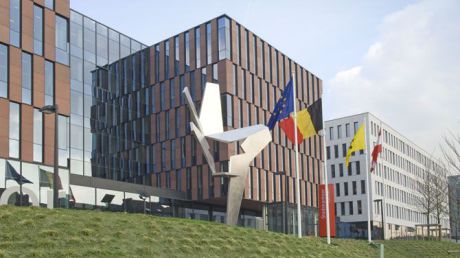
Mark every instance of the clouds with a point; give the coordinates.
(410, 76)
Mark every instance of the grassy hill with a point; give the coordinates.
(71, 233)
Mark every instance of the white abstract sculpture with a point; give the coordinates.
(209, 125)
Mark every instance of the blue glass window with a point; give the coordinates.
(15, 23)
(38, 30)
(26, 78)
(224, 38)
(3, 71)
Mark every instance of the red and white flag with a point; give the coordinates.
(376, 151)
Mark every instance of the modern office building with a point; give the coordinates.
(454, 206)
(393, 186)
(122, 117)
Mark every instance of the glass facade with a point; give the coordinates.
(93, 45)
(15, 23)
(208, 43)
(38, 30)
(187, 50)
(49, 4)
(26, 78)
(3, 71)
(14, 130)
(197, 48)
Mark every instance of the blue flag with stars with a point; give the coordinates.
(284, 107)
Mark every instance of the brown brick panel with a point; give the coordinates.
(251, 53)
(27, 24)
(162, 62)
(4, 129)
(267, 55)
(172, 124)
(152, 65)
(27, 132)
(255, 185)
(188, 143)
(204, 57)
(204, 183)
(216, 187)
(192, 49)
(225, 76)
(280, 67)
(171, 58)
(194, 176)
(5, 21)
(269, 178)
(49, 37)
(259, 58)
(62, 7)
(181, 53)
(243, 47)
(172, 174)
(163, 179)
(39, 81)
(15, 92)
(184, 180)
(62, 88)
(48, 141)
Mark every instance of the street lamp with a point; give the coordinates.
(53, 109)
(285, 224)
(382, 212)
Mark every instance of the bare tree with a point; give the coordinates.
(440, 195)
(450, 149)
(425, 200)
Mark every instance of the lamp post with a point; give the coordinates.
(285, 217)
(53, 109)
(382, 212)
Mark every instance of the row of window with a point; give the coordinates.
(339, 132)
(336, 151)
(349, 170)
(15, 135)
(354, 188)
(61, 30)
(351, 208)
(26, 79)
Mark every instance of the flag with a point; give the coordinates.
(284, 107)
(358, 143)
(309, 122)
(47, 179)
(11, 173)
(376, 151)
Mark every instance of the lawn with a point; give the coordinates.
(42, 232)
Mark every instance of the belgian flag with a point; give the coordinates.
(309, 122)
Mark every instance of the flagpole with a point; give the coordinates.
(382, 212)
(297, 189)
(328, 228)
(369, 203)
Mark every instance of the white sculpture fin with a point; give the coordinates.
(211, 110)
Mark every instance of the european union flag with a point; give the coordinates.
(284, 107)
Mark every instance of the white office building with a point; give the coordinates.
(393, 185)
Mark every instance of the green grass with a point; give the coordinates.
(39, 232)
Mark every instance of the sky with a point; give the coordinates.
(399, 60)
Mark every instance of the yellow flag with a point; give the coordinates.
(358, 143)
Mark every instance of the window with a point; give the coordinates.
(347, 130)
(15, 23)
(345, 186)
(341, 169)
(62, 40)
(157, 62)
(342, 208)
(49, 4)
(254, 51)
(49, 83)
(63, 140)
(247, 48)
(339, 131)
(197, 47)
(176, 55)
(172, 93)
(238, 44)
(363, 187)
(336, 151)
(3, 71)
(208, 43)
(224, 38)
(38, 136)
(328, 152)
(331, 133)
(349, 168)
(162, 96)
(187, 51)
(355, 189)
(26, 78)
(337, 189)
(14, 130)
(350, 208)
(215, 73)
(166, 59)
(38, 30)
(360, 207)
(333, 171)
(358, 168)
(355, 127)
(344, 150)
